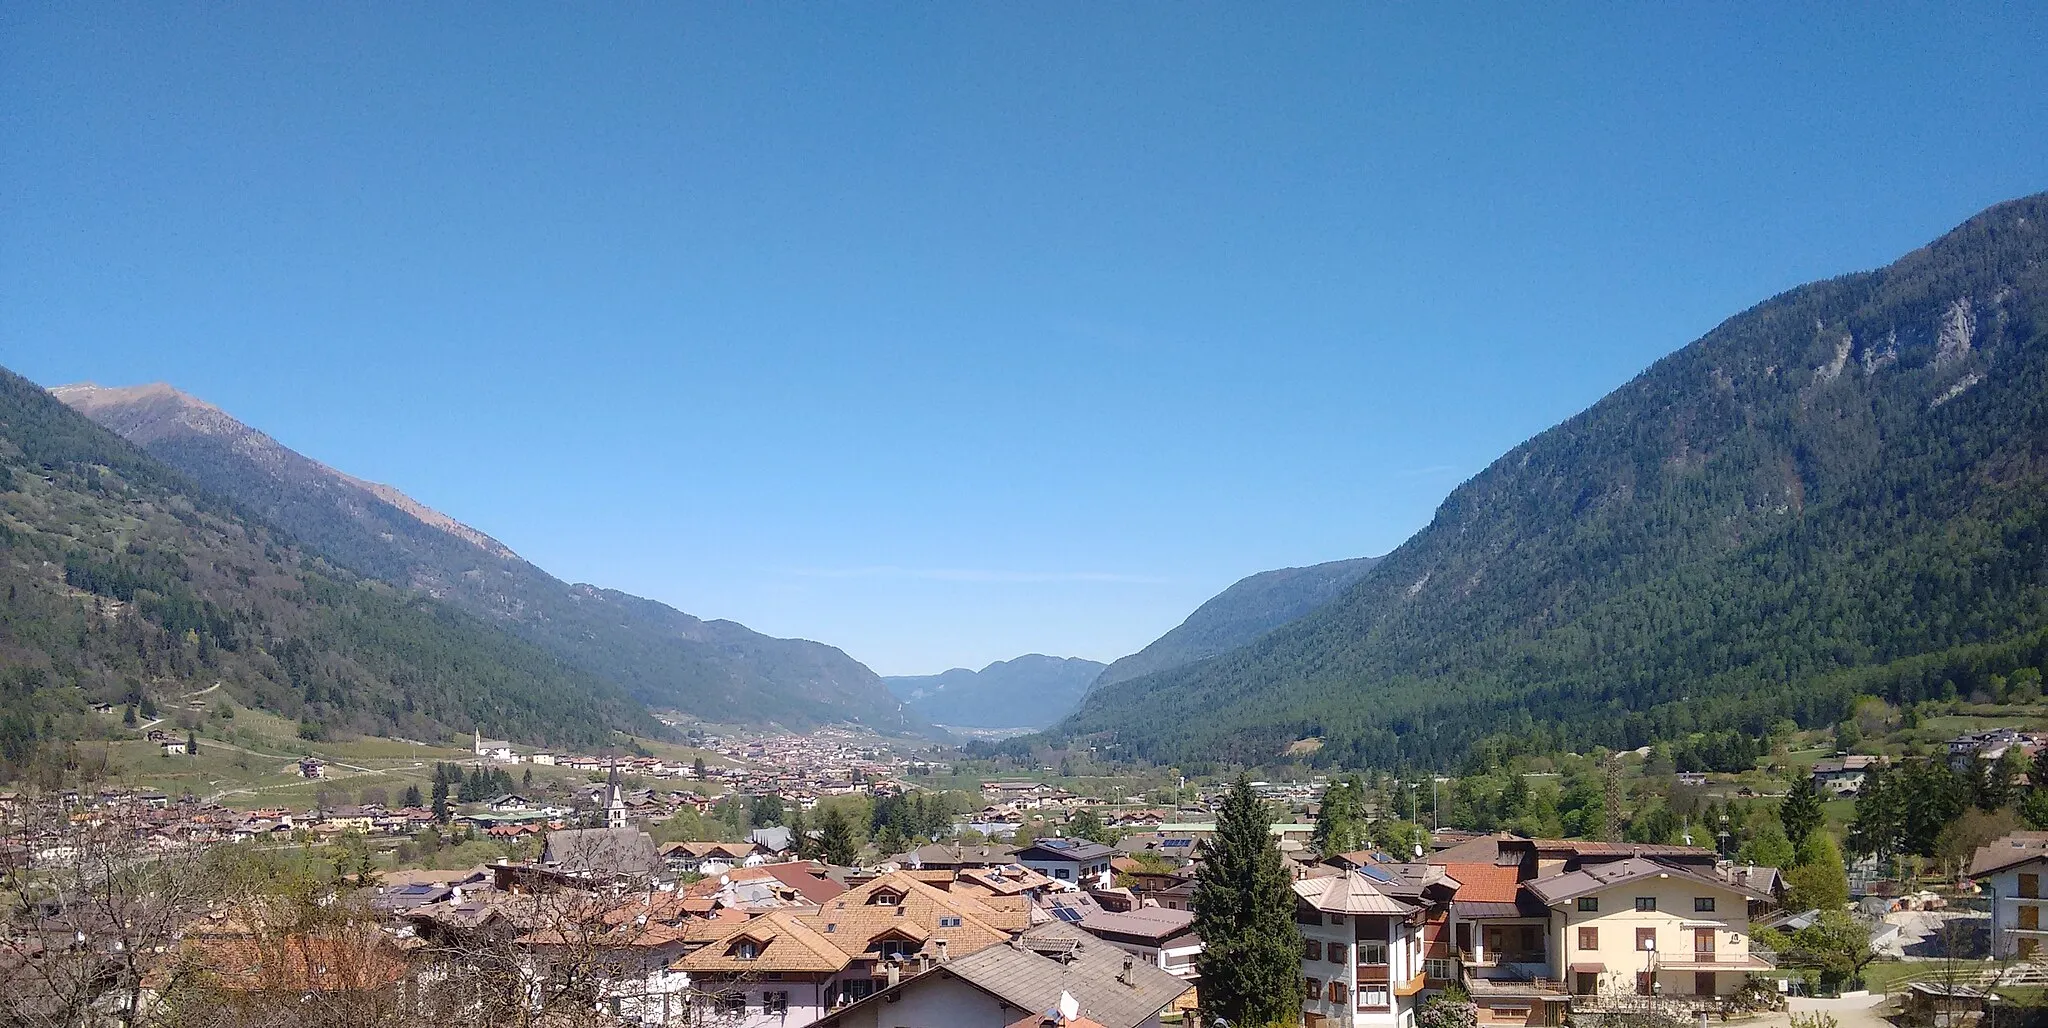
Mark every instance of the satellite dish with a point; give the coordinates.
(1069, 1007)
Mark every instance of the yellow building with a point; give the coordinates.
(1647, 927)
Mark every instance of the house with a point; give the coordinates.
(1164, 938)
(510, 802)
(173, 747)
(1843, 776)
(311, 767)
(1648, 927)
(789, 967)
(1362, 954)
(1050, 975)
(1069, 860)
(595, 853)
(2010, 872)
(954, 856)
(492, 749)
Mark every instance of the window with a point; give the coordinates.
(733, 1002)
(896, 949)
(1312, 988)
(1372, 952)
(1338, 992)
(2030, 886)
(1060, 873)
(1646, 904)
(1589, 938)
(746, 949)
(1510, 1013)
(1336, 952)
(1371, 998)
(1589, 904)
(1646, 939)
(949, 922)
(775, 1003)
(1311, 949)
(1703, 904)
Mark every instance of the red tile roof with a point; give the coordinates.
(1484, 883)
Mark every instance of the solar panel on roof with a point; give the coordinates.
(1067, 914)
(1376, 874)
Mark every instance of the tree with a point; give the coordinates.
(1801, 812)
(440, 800)
(1879, 829)
(1835, 945)
(191, 744)
(1244, 912)
(412, 796)
(767, 810)
(1959, 839)
(697, 769)
(1848, 736)
(800, 835)
(1451, 1008)
(1087, 825)
(835, 839)
(1340, 818)
(128, 716)
(1820, 881)
(1768, 848)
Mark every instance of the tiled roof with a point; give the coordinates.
(1485, 883)
(1154, 923)
(2010, 851)
(1092, 972)
(786, 945)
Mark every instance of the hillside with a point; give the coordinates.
(1250, 608)
(121, 581)
(665, 658)
(1844, 488)
(1031, 691)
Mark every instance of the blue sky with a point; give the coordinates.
(945, 333)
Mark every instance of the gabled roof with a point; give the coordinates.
(1597, 878)
(1349, 893)
(2009, 852)
(1079, 850)
(1485, 883)
(786, 945)
(1150, 924)
(1046, 962)
(851, 922)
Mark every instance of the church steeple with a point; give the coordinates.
(614, 799)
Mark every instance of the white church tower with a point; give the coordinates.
(614, 800)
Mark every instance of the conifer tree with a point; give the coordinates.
(800, 834)
(835, 839)
(412, 796)
(440, 798)
(1244, 911)
(1801, 812)
(1340, 818)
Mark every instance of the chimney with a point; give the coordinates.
(939, 946)
(1125, 977)
(895, 972)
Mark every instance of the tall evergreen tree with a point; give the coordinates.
(1801, 812)
(1244, 911)
(835, 839)
(800, 834)
(1880, 825)
(412, 796)
(440, 798)
(1340, 818)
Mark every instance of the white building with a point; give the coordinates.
(2011, 871)
(492, 749)
(1361, 960)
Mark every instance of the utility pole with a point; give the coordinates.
(1612, 799)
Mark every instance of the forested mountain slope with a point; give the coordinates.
(1031, 691)
(1250, 608)
(120, 579)
(1843, 488)
(668, 659)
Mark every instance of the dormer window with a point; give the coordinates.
(746, 949)
(885, 898)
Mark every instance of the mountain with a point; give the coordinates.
(1248, 609)
(1842, 490)
(718, 670)
(121, 580)
(1031, 691)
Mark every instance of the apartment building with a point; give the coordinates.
(2011, 871)
(1647, 927)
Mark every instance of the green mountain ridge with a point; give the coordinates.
(1031, 691)
(122, 580)
(719, 670)
(1842, 489)
(1251, 607)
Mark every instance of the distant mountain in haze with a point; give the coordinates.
(1840, 492)
(1237, 615)
(1031, 691)
(124, 582)
(718, 670)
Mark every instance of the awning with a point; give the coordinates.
(1593, 968)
